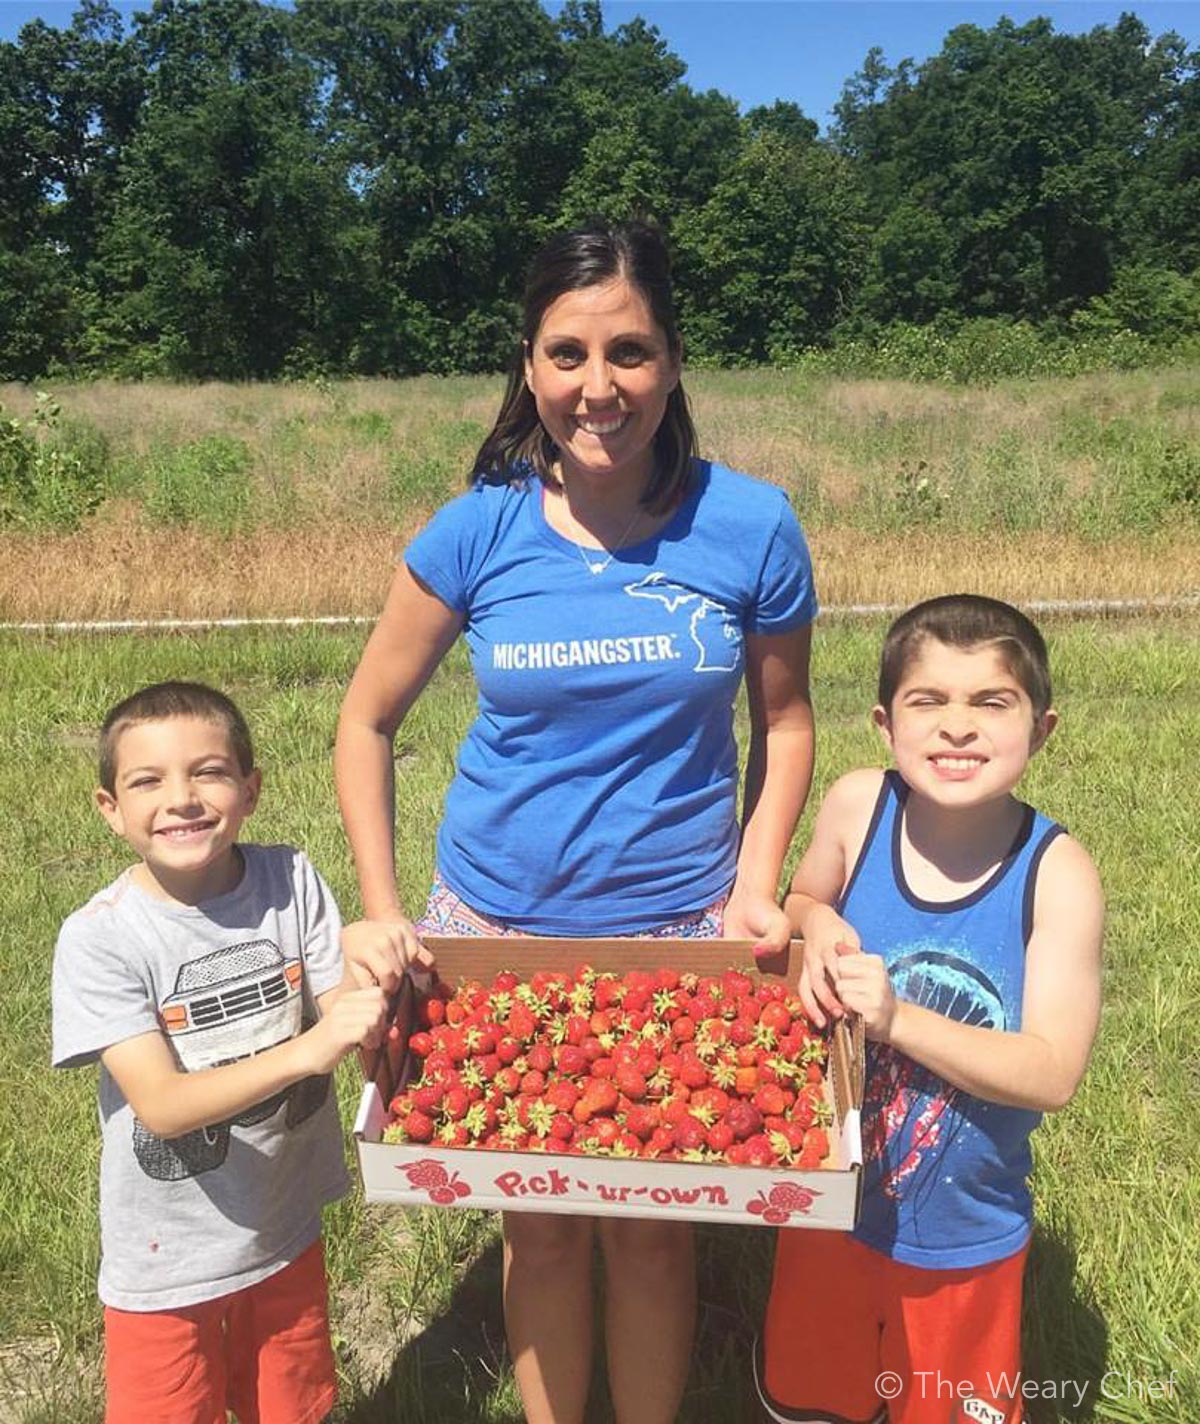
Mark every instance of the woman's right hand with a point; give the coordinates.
(379, 951)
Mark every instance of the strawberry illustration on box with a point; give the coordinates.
(655, 1077)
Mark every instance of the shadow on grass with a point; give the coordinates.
(1064, 1336)
(453, 1370)
(456, 1369)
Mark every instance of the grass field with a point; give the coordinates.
(1112, 1306)
(260, 499)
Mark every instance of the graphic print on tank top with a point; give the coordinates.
(906, 1108)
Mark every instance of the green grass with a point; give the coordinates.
(417, 1314)
(1094, 455)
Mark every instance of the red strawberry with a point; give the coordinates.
(769, 1100)
(720, 1137)
(690, 1134)
(418, 1126)
(745, 1120)
(562, 1096)
(816, 1140)
(571, 1061)
(426, 1173)
(630, 1082)
(508, 1050)
(662, 1142)
(642, 1121)
(456, 1104)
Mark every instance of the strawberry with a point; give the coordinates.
(690, 1134)
(630, 1082)
(571, 1060)
(455, 1104)
(769, 1100)
(418, 1127)
(745, 1120)
(662, 1140)
(562, 1096)
(642, 1121)
(720, 1137)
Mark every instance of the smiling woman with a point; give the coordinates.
(597, 790)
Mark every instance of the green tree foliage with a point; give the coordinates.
(239, 188)
(771, 259)
(996, 170)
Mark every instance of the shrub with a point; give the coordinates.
(51, 476)
(205, 482)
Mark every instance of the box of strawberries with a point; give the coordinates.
(613, 1077)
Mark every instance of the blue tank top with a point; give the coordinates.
(945, 1173)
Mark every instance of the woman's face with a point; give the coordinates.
(600, 371)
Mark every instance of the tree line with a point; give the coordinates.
(231, 189)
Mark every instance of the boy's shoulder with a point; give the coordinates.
(853, 797)
(102, 907)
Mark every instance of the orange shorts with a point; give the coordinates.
(263, 1352)
(852, 1336)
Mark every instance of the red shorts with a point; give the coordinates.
(852, 1336)
(263, 1352)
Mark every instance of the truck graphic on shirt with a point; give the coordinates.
(225, 1006)
(711, 627)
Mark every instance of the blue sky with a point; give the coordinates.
(804, 50)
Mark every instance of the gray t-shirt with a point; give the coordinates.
(202, 1215)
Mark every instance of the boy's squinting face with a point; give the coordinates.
(180, 800)
(961, 727)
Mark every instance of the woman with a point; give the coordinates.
(613, 590)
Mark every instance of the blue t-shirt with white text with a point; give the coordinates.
(596, 791)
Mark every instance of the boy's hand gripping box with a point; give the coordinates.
(425, 1174)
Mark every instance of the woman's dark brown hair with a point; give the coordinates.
(587, 257)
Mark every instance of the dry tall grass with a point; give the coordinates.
(343, 473)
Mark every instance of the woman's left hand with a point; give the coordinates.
(757, 917)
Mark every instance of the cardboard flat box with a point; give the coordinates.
(411, 1174)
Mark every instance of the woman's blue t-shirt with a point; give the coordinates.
(596, 791)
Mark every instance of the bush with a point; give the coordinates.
(988, 349)
(51, 476)
(205, 482)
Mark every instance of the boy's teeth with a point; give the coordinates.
(957, 763)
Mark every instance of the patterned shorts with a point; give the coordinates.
(446, 914)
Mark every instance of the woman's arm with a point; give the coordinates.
(414, 633)
(778, 773)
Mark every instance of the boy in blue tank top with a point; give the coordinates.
(965, 929)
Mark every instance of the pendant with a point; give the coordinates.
(597, 568)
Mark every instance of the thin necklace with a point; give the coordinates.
(598, 568)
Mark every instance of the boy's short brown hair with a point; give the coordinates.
(968, 620)
(163, 700)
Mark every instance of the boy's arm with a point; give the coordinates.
(838, 833)
(170, 1102)
(1039, 1066)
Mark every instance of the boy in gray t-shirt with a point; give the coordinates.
(208, 981)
